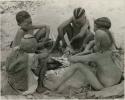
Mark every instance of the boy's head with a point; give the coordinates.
(102, 23)
(23, 19)
(79, 16)
(28, 44)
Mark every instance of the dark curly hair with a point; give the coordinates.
(21, 16)
(78, 12)
(103, 22)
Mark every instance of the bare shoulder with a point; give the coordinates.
(100, 32)
(85, 25)
(19, 33)
(65, 23)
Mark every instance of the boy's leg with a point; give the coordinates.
(90, 76)
(42, 73)
(56, 44)
(84, 69)
(67, 75)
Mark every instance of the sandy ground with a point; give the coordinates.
(54, 12)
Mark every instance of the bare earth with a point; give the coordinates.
(54, 12)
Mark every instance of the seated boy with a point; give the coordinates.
(77, 29)
(21, 63)
(108, 72)
(24, 21)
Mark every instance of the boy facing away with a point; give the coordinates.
(20, 65)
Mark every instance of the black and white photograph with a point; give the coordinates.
(62, 49)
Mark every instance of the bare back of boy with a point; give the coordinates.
(108, 73)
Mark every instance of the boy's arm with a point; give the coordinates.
(113, 39)
(47, 32)
(83, 53)
(18, 37)
(61, 29)
(90, 45)
(61, 33)
(88, 42)
(83, 59)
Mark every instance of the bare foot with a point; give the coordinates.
(30, 96)
(41, 89)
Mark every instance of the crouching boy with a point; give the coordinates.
(20, 64)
